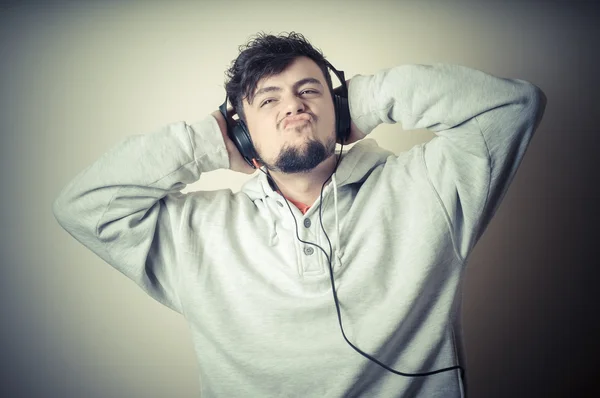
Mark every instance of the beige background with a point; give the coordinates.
(77, 77)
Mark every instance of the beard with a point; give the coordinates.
(302, 159)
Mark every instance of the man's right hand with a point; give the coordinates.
(236, 161)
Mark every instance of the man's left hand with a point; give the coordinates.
(355, 133)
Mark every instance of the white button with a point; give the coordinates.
(308, 250)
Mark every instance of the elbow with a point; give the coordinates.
(59, 211)
(66, 215)
(536, 103)
(74, 219)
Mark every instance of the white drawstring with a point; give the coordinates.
(273, 229)
(337, 224)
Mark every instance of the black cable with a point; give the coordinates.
(335, 298)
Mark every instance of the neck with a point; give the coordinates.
(305, 187)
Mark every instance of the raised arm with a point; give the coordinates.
(126, 206)
(483, 126)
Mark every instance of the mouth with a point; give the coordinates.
(295, 123)
(296, 120)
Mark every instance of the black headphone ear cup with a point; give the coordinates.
(342, 118)
(243, 142)
(238, 133)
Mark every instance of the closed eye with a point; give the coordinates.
(308, 91)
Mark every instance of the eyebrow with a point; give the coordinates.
(306, 80)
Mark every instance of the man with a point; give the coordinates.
(246, 269)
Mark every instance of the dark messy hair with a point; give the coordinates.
(264, 56)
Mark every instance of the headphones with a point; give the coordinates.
(239, 134)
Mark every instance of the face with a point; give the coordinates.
(291, 118)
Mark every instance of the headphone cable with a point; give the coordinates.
(335, 298)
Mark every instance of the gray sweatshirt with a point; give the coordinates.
(258, 301)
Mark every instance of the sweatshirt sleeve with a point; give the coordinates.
(125, 207)
(483, 125)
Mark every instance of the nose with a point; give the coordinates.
(293, 105)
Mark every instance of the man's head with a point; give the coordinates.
(277, 79)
